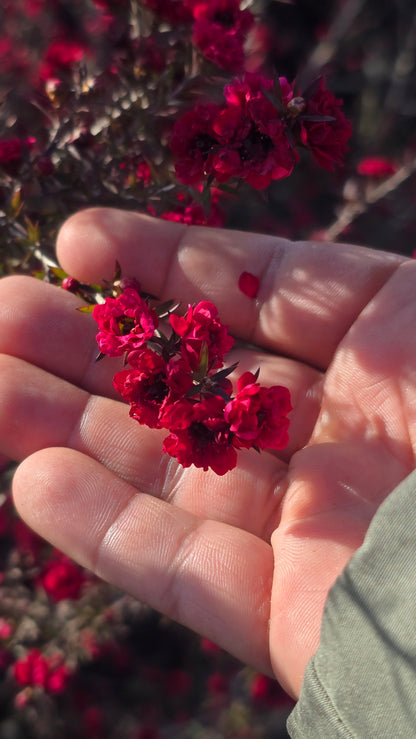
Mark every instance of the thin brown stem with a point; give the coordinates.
(352, 210)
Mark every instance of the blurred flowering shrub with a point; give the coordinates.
(219, 113)
(147, 105)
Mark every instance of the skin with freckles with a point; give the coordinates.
(246, 559)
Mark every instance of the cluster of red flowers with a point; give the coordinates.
(48, 673)
(254, 136)
(61, 578)
(219, 27)
(178, 382)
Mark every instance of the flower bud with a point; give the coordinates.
(70, 284)
(296, 106)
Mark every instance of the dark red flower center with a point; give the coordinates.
(261, 417)
(202, 435)
(157, 389)
(204, 143)
(255, 146)
(224, 18)
(126, 325)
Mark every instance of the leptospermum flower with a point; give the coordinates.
(201, 330)
(255, 136)
(178, 382)
(258, 415)
(36, 670)
(125, 323)
(220, 30)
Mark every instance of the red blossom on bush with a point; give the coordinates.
(32, 8)
(125, 323)
(200, 435)
(193, 213)
(201, 331)
(48, 673)
(193, 143)
(12, 153)
(266, 692)
(217, 683)
(60, 57)
(220, 30)
(10, 150)
(327, 139)
(255, 147)
(62, 578)
(209, 647)
(253, 137)
(6, 629)
(258, 415)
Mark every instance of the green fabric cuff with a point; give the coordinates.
(362, 680)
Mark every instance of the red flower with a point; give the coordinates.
(202, 436)
(193, 143)
(192, 213)
(58, 680)
(376, 167)
(135, 169)
(12, 152)
(6, 629)
(61, 55)
(327, 140)
(151, 385)
(217, 683)
(62, 579)
(209, 647)
(258, 415)
(220, 30)
(252, 134)
(204, 338)
(264, 691)
(32, 8)
(125, 323)
(37, 670)
(248, 284)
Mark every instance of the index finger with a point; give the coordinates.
(310, 293)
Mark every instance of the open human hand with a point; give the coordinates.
(246, 559)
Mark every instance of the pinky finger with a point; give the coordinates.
(209, 576)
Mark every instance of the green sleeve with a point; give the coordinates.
(361, 682)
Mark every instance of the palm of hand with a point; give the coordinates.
(246, 559)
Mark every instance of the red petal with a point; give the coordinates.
(249, 284)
